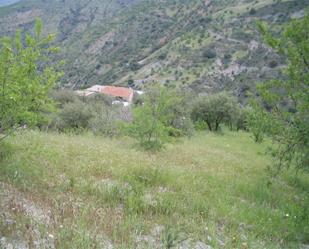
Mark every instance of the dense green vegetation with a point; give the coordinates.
(77, 115)
(26, 76)
(217, 109)
(164, 113)
(287, 100)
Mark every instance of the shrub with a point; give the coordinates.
(273, 64)
(95, 113)
(64, 96)
(236, 120)
(252, 11)
(130, 82)
(181, 125)
(104, 121)
(162, 56)
(200, 125)
(99, 99)
(227, 56)
(158, 117)
(75, 116)
(257, 122)
(134, 66)
(209, 54)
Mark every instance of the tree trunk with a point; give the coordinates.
(217, 126)
(209, 125)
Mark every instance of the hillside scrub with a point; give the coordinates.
(84, 191)
(156, 118)
(78, 115)
(113, 40)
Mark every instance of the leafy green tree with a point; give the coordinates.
(216, 109)
(158, 117)
(287, 100)
(26, 76)
(258, 121)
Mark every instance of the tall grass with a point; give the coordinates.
(212, 188)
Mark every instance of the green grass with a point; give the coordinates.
(210, 186)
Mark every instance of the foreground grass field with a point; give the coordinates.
(62, 191)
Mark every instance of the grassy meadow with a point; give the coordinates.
(82, 191)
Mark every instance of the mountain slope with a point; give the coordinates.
(204, 45)
(7, 2)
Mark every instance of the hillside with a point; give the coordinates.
(190, 162)
(7, 2)
(204, 45)
(64, 191)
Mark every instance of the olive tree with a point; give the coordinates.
(215, 109)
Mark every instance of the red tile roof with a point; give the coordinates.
(123, 92)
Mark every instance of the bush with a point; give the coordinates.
(95, 113)
(99, 99)
(64, 96)
(209, 54)
(130, 82)
(257, 122)
(200, 125)
(215, 110)
(104, 122)
(74, 116)
(273, 64)
(162, 56)
(134, 66)
(161, 115)
(181, 125)
(252, 11)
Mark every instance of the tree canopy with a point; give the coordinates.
(216, 109)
